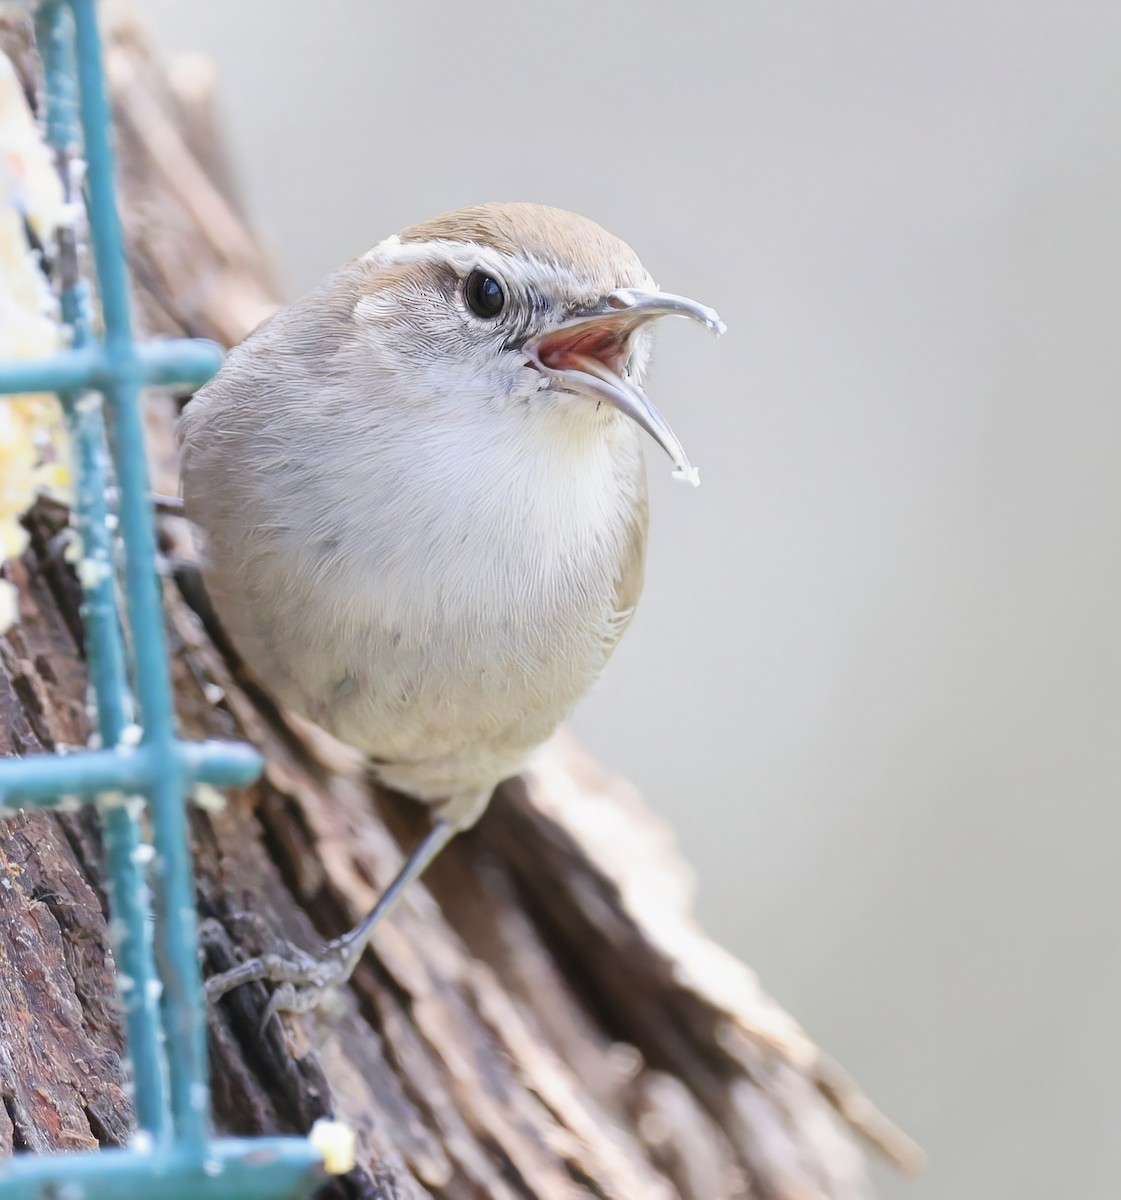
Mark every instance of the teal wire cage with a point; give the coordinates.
(98, 379)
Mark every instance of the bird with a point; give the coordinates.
(422, 502)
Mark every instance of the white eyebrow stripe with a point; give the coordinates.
(459, 254)
(523, 269)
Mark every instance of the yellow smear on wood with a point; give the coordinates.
(34, 449)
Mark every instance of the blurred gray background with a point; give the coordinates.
(876, 678)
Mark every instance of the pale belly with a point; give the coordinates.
(446, 704)
(460, 711)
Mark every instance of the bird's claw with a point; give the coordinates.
(302, 979)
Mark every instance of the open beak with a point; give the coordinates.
(589, 353)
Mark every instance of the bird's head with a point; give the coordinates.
(520, 306)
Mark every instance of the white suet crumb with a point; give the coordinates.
(34, 451)
(92, 571)
(336, 1142)
(141, 1142)
(208, 798)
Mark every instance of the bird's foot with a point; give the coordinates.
(303, 980)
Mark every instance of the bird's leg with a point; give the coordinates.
(302, 978)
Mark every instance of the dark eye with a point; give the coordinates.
(484, 294)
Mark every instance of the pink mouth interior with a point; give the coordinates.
(604, 340)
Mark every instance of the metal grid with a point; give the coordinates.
(174, 1154)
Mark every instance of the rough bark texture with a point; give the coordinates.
(542, 1020)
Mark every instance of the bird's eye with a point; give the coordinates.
(484, 294)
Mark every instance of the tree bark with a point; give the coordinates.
(542, 1019)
